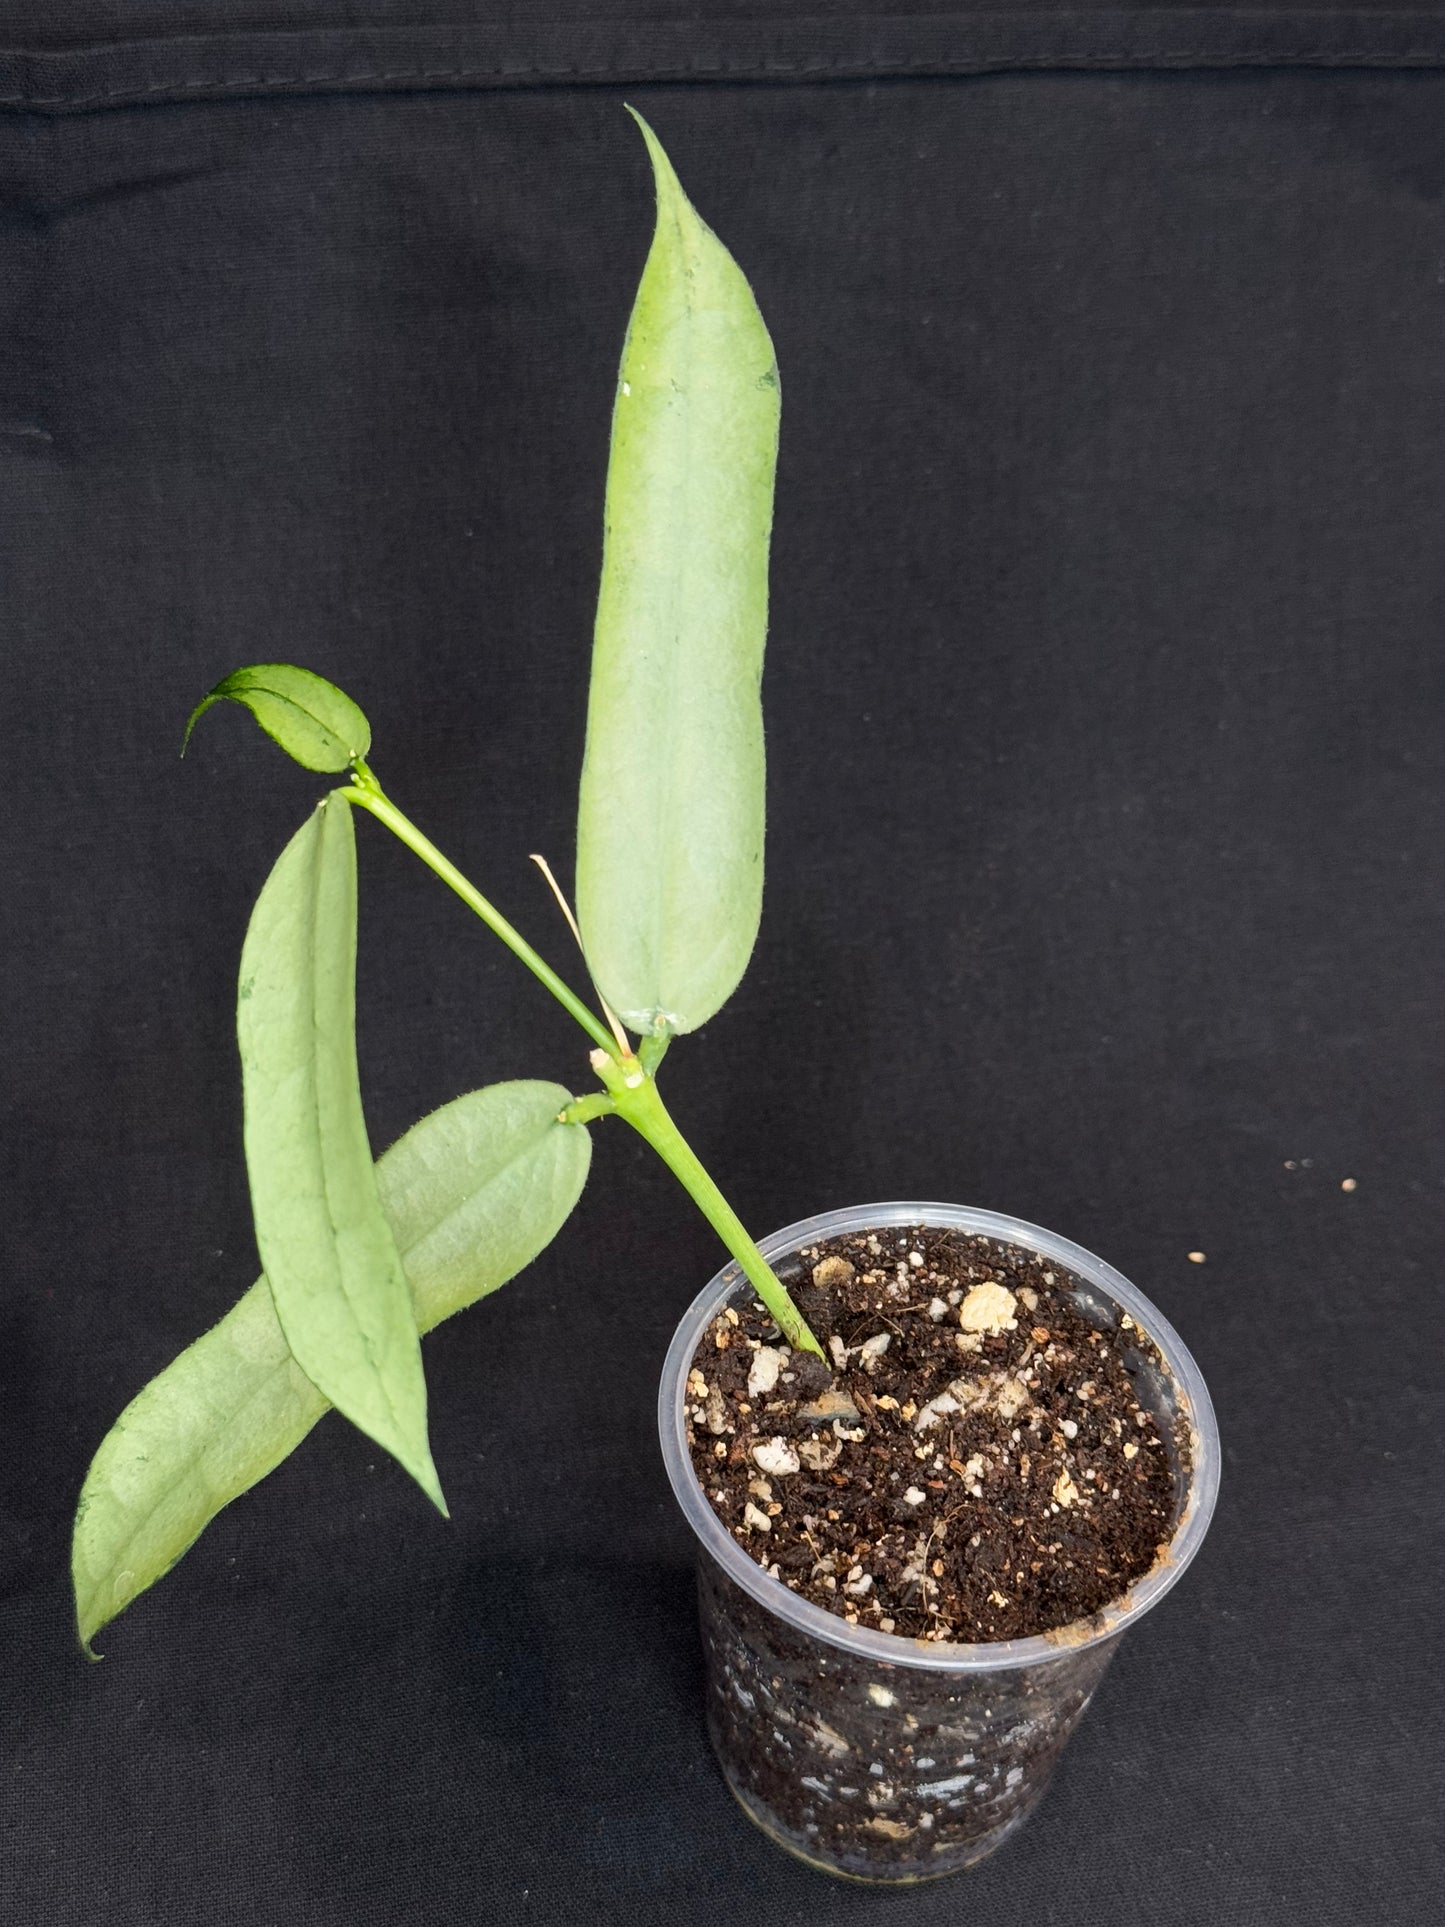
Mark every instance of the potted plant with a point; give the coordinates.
(936, 1460)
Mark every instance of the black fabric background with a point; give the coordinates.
(1104, 717)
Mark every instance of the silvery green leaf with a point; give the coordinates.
(670, 821)
(473, 1193)
(325, 1244)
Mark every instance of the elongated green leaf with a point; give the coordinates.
(472, 1192)
(335, 1272)
(670, 822)
(309, 717)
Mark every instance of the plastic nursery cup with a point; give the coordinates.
(891, 1759)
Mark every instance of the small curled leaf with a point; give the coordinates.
(313, 721)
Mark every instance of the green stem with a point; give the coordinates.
(652, 1050)
(582, 1110)
(639, 1101)
(367, 794)
(630, 1090)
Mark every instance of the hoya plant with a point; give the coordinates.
(361, 1260)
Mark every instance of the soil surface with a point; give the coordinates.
(975, 1466)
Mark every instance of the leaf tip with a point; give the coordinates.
(427, 1479)
(195, 716)
(87, 1625)
(669, 187)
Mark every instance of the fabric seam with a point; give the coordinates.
(647, 72)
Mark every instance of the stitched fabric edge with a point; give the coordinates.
(233, 66)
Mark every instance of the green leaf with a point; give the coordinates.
(670, 822)
(309, 717)
(473, 1193)
(335, 1272)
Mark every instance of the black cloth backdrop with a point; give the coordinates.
(1104, 712)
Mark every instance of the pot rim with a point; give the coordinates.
(1195, 1412)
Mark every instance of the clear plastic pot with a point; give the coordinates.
(891, 1759)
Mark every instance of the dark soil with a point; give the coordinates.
(978, 1466)
(889, 1772)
